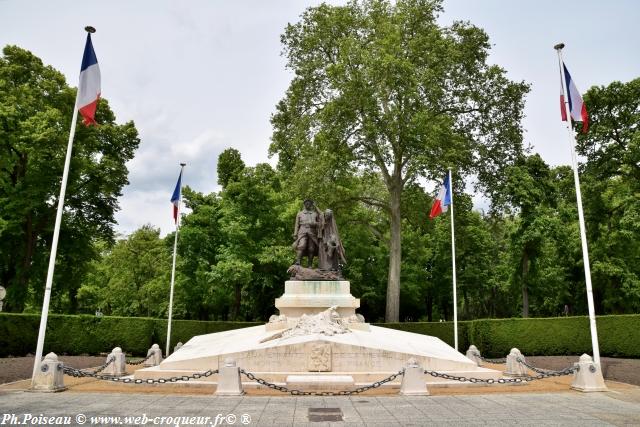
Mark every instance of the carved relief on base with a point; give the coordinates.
(319, 357)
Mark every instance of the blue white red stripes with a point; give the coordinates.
(175, 198)
(442, 202)
(89, 87)
(577, 107)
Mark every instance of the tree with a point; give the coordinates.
(36, 106)
(382, 88)
(611, 179)
(132, 278)
(530, 188)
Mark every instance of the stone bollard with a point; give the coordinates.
(156, 356)
(474, 354)
(49, 377)
(229, 382)
(413, 383)
(177, 347)
(514, 367)
(588, 377)
(118, 367)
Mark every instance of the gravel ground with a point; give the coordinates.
(622, 370)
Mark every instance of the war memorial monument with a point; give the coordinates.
(317, 340)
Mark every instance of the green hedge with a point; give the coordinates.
(619, 336)
(85, 334)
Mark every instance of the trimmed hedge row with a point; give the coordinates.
(619, 335)
(86, 334)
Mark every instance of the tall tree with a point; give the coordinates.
(382, 87)
(36, 106)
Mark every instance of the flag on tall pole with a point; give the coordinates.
(576, 110)
(577, 107)
(176, 200)
(440, 205)
(86, 99)
(89, 87)
(443, 200)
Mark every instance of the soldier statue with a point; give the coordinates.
(305, 232)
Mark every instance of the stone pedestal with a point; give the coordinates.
(314, 296)
(514, 367)
(118, 367)
(50, 377)
(474, 354)
(156, 356)
(588, 377)
(413, 383)
(229, 381)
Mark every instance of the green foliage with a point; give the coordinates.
(619, 336)
(131, 279)
(36, 106)
(380, 87)
(68, 334)
(82, 334)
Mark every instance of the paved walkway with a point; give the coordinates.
(551, 409)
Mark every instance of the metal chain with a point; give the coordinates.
(495, 361)
(140, 362)
(528, 378)
(296, 392)
(78, 373)
(550, 372)
(99, 369)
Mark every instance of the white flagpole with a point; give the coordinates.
(453, 258)
(54, 244)
(173, 266)
(583, 233)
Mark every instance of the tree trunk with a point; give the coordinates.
(429, 304)
(525, 289)
(392, 313)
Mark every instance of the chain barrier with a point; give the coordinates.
(549, 372)
(140, 362)
(494, 361)
(79, 373)
(83, 373)
(295, 392)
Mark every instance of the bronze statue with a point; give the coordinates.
(316, 234)
(331, 252)
(305, 232)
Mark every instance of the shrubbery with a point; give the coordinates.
(84, 334)
(619, 336)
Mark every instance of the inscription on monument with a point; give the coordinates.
(319, 357)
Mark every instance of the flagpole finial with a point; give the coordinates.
(89, 29)
(183, 164)
(559, 46)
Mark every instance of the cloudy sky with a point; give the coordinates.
(200, 76)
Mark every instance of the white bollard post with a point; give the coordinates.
(118, 367)
(474, 354)
(177, 347)
(229, 382)
(156, 356)
(514, 367)
(49, 377)
(413, 383)
(588, 377)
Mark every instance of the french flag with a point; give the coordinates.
(89, 87)
(442, 202)
(577, 107)
(175, 199)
